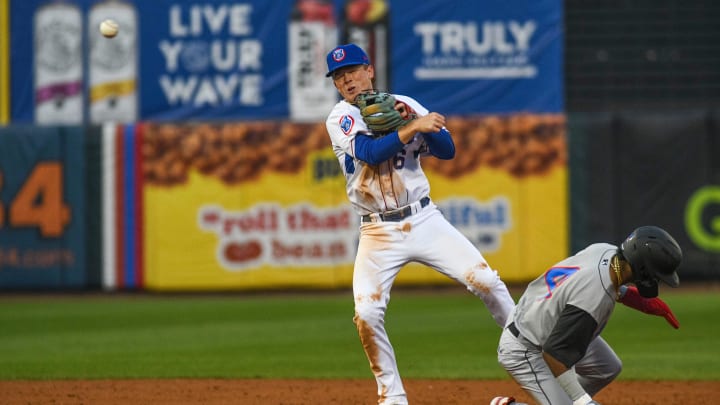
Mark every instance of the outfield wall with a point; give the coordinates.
(256, 205)
(637, 168)
(252, 205)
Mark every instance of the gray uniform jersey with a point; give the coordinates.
(582, 280)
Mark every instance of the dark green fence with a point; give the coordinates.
(648, 168)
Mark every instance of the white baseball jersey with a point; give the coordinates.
(397, 183)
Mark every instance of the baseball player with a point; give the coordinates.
(399, 223)
(552, 345)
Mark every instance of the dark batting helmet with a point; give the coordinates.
(653, 255)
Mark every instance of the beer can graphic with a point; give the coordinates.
(367, 24)
(312, 33)
(113, 64)
(58, 64)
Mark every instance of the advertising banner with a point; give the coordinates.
(263, 204)
(113, 65)
(177, 60)
(479, 56)
(244, 205)
(42, 205)
(58, 54)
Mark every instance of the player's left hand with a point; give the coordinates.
(656, 306)
(653, 306)
(381, 112)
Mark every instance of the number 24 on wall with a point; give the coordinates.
(39, 202)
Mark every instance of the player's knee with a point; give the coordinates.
(611, 369)
(369, 314)
(614, 369)
(608, 371)
(481, 279)
(601, 376)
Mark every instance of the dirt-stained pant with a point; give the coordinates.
(384, 247)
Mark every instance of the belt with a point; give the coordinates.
(522, 339)
(396, 215)
(513, 329)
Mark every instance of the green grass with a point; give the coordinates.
(443, 334)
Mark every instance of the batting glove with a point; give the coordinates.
(630, 296)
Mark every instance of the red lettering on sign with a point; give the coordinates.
(262, 220)
(306, 220)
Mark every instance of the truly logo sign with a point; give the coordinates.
(472, 50)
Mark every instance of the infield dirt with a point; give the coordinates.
(311, 392)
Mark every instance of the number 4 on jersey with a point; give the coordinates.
(556, 276)
(40, 202)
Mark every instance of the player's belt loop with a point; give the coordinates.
(513, 329)
(398, 214)
(424, 202)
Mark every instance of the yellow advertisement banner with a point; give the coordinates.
(262, 204)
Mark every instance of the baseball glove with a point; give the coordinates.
(379, 113)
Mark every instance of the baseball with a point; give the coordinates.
(109, 28)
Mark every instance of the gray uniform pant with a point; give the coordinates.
(525, 364)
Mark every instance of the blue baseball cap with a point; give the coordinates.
(346, 55)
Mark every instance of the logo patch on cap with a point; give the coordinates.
(338, 54)
(346, 123)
